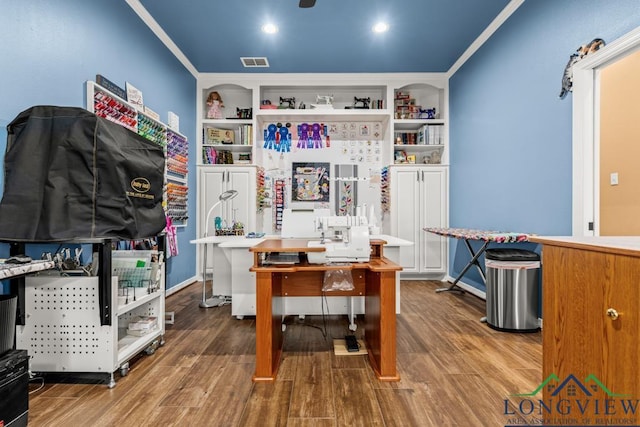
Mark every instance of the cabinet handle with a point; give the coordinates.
(417, 175)
(612, 313)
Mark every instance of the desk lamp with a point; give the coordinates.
(220, 300)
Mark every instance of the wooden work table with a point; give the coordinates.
(375, 280)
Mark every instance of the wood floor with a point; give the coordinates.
(455, 371)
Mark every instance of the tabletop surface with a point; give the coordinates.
(613, 244)
(244, 242)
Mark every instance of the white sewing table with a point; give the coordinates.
(231, 261)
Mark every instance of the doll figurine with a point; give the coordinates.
(215, 106)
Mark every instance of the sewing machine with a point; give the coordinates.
(323, 101)
(345, 239)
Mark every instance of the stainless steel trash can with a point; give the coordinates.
(512, 289)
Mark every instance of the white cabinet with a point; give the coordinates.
(368, 112)
(418, 200)
(213, 181)
(63, 331)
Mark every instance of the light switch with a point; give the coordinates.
(614, 178)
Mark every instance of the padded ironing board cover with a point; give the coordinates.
(487, 236)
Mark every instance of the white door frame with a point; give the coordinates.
(586, 131)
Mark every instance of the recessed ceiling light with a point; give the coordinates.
(270, 28)
(380, 27)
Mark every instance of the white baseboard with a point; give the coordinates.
(472, 290)
(180, 286)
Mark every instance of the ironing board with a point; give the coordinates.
(483, 235)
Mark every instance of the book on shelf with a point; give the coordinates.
(430, 135)
(140, 332)
(209, 156)
(142, 323)
(246, 134)
(405, 138)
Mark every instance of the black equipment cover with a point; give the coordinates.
(69, 174)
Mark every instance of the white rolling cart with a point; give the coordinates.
(80, 324)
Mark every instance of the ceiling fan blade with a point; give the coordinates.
(307, 3)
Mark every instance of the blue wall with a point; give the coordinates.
(510, 134)
(49, 50)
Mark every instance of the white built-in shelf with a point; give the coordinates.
(139, 300)
(414, 124)
(226, 123)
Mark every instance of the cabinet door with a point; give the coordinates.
(405, 214)
(621, 344)
(579, 338)
(212, 185)
(433, 214)
(242, 208)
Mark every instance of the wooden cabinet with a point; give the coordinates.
(418, 200)
(591, 313)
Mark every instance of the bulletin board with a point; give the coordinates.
(334, 165)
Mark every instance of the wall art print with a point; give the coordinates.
(310, 182)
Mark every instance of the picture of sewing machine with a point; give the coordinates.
(323, 101)
(345, 239)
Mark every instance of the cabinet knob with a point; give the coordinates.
(612, 313)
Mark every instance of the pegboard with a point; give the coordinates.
(62, 330)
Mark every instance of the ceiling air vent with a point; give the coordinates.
(254, 61)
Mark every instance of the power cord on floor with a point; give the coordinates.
(41, 379)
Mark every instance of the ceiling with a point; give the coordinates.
(334, 36)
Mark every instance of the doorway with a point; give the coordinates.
(588, 170)
(618, 198)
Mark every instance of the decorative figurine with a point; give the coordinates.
(215, 106)
(429, 113)
(584, 50)
(323, 101)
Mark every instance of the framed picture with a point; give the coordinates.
(310, 182)
(134, 96)
(411, 158)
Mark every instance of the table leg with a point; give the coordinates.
(380, 324)
(472, 261)
(269, 336)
